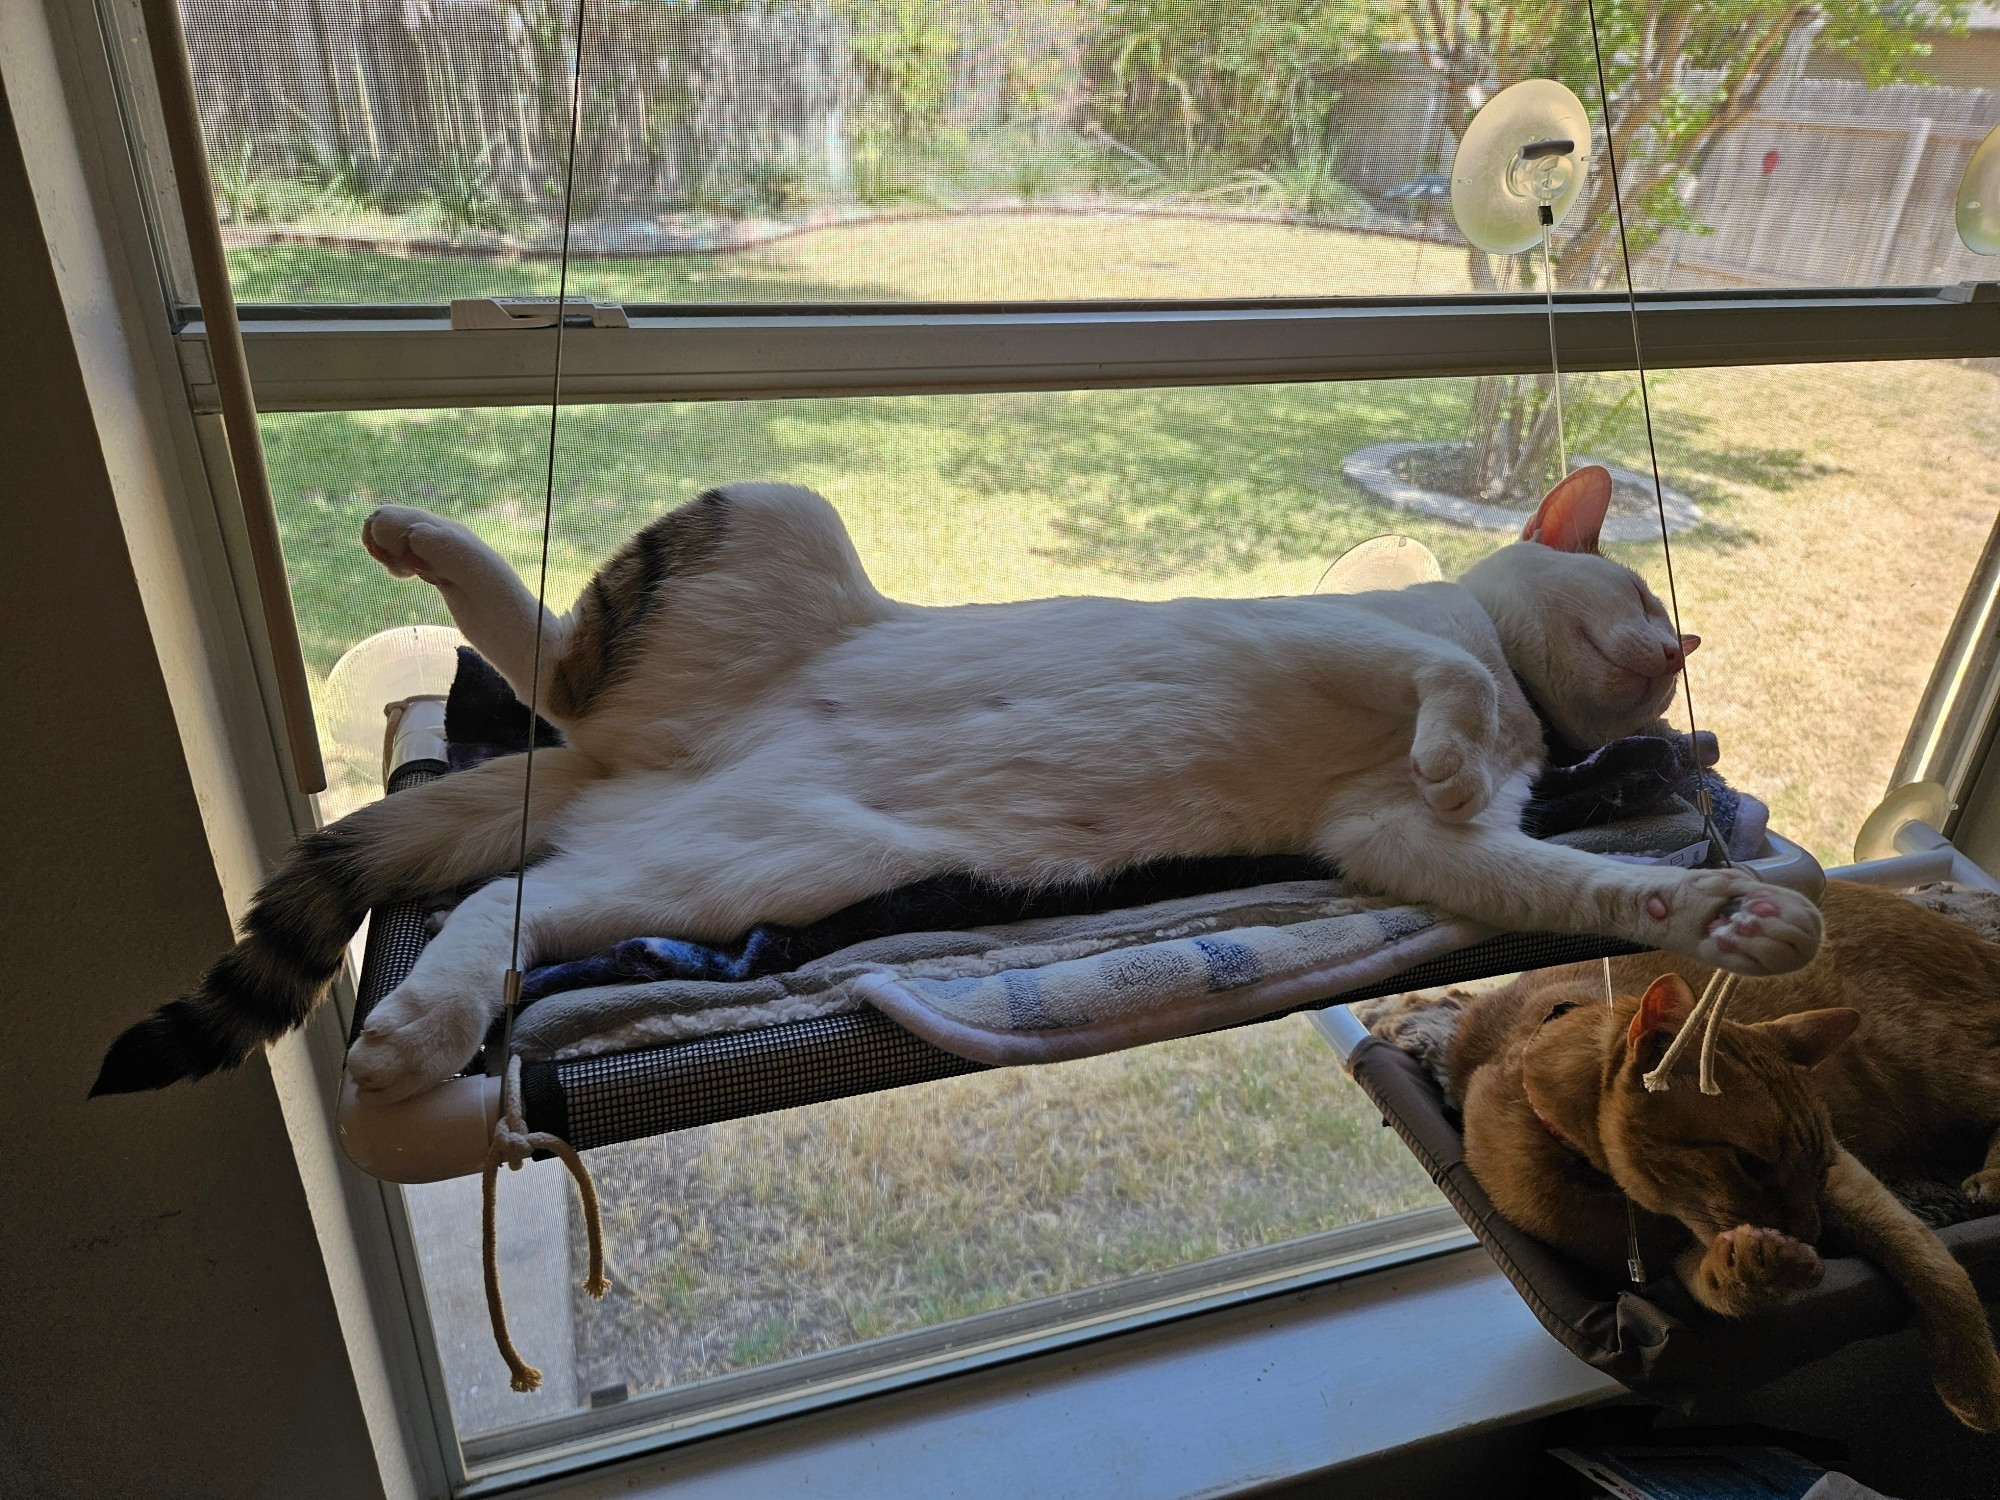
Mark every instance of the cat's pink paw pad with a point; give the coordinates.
(1751, 1267)
(1755, 929)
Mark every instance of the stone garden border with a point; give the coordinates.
(1373, 468)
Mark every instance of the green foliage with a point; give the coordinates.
(461, 193)
(906, 55)
(1212, 87)
(242, 194)
(1681, 74)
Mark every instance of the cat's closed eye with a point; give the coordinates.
(1751, 1165)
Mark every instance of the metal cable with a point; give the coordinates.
(1718, 851)
(512, 981)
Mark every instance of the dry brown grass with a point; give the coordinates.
(1849, 504)
(791, 1233)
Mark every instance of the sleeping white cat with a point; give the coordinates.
(755, 733)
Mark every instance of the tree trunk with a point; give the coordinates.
(1511, 437)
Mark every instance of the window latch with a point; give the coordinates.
(534, 312)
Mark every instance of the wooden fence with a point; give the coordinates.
(466, 101)
(1834, 183)
(752, 111)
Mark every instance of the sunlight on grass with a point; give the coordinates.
(986, 258)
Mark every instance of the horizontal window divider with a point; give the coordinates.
(305, 359)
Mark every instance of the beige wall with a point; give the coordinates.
(166, 1325)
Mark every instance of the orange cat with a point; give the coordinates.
(1882, 1053)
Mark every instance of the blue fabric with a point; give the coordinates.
(639, 960)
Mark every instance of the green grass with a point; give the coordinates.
(984, 257)
(1844, 509)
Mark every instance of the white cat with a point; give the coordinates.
(756, 734)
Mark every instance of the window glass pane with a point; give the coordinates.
(889, 150)
(1840, 511)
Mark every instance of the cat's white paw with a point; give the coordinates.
(411, 1043)
(1455, 776)
(1734, 921)
(1759, 929)
(407, 541)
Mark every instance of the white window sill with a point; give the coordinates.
(1281, 1389)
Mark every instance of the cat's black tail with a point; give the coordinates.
(428, 839)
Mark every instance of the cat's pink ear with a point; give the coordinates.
(1666, 1003)
(1571, 515)
(1812, 1035)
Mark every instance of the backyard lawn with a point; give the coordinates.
(992, 257)
(1843, 507)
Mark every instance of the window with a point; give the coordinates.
(1091, 296)
(811, 151)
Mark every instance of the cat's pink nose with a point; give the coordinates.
(1673, 655)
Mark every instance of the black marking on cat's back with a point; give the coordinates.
(619, 600)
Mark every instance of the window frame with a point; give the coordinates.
(353, 357)
(360, 358)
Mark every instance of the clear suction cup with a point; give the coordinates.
(1979, 198)
(408, 661)
(1381, 562)
(1528, 147)
(1912, 802)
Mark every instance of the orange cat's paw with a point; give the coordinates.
(1968, 1382)
(1750, 1268)
(1983, 1187)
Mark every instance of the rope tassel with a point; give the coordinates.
(1707, 1017)
(513, 1144)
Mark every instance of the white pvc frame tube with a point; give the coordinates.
(441, 1133)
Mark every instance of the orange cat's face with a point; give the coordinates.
(1757, 1153)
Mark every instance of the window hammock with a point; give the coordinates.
(982, 977)
(540, 1086)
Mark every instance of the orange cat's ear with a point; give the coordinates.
(1811, 1036)
(1665, 1004)
(1571, 515)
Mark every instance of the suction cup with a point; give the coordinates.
(1913, 802)
(1979, 197)
(1528, 146)
(409, 661)
(1381, 562)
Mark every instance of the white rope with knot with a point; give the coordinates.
(1707, 1016)
(513, 1144)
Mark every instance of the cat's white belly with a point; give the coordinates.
(1028, 742)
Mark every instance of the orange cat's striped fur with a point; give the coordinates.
(1880, 1056)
